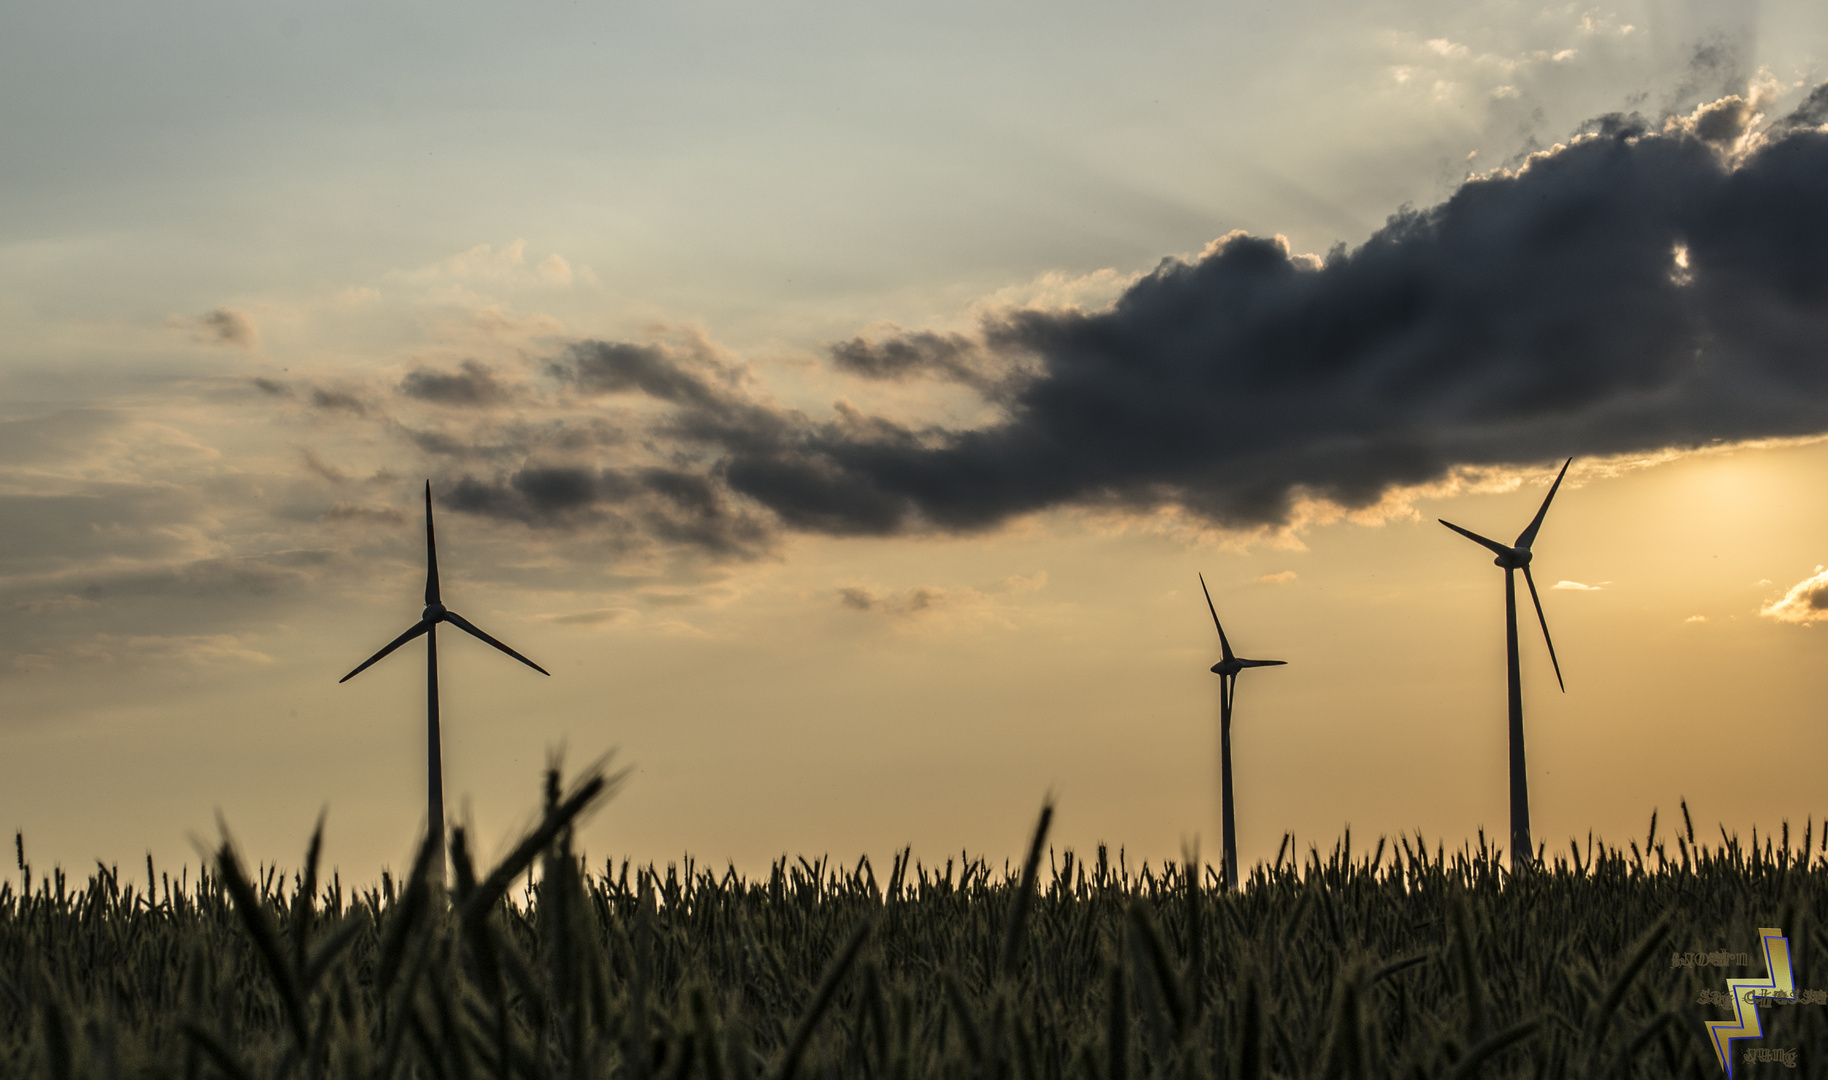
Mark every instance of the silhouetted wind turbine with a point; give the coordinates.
(1227, 670)
(435, 613)
(1514, 558)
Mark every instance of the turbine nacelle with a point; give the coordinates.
(1515, 559)
(1238, 663)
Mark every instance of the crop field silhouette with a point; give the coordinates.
(1390, 962)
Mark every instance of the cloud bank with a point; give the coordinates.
(1635, 289)
(1645, 286)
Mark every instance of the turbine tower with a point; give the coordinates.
(435, 613)
(1512, 559)
(1227, 670)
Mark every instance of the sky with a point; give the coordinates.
(840, 400)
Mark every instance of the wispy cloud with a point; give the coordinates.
(223, 326)
(474, 383)
(939, 608)
(592, 617)
(372, 515)
(118, 650)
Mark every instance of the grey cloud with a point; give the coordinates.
(226, 326)
(251, 575)
(1813, 112)
(447, 445)
(338, 400)
(1528, 317)
(47, 533)
(273, 387)
(324, 468)
(669, 504)
(603, 367)
(924, 352)
(516, 440)
(474, 384)
(1716, 65)
(909, 602)
(376, 515)
(73, 619)
(55, 436)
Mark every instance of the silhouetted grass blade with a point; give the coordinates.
(822, 999)
(265, 938)
(1470, 1066)
(1024, 897)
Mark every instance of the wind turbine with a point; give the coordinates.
(435, 613)
(1514, 558)
(1227, 670)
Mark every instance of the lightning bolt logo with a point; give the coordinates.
(1779, 982)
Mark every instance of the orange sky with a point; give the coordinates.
(232, 245)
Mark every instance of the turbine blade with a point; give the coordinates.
(1528, 536)
(466, 625)
(1223, 644)
(1262, 663)
(418, 628)
(1476, 538)
(1531, 582)
(431, 551)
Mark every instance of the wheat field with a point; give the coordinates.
(1392, 962)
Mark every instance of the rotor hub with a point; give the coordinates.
(434, 613)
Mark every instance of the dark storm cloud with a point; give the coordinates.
(1531, 316)
(1646, 286)
(474, 384)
